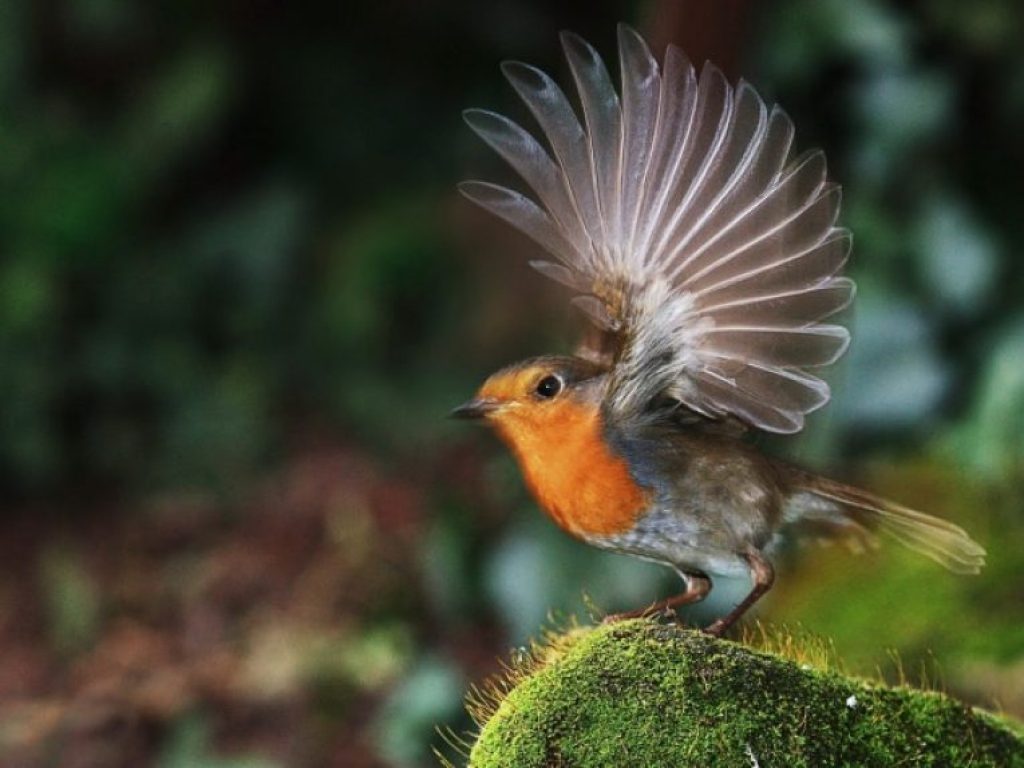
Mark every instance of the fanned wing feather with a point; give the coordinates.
(604, 129)
(532, 162)
(522, 213)
(641, 86)
(675, 207)
(784, 271)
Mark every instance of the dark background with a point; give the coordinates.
(238, 294)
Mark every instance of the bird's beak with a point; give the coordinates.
(477, 408)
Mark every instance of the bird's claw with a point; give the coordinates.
(715, 628)
(647, 613)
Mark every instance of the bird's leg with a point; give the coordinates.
(764, 577)
(697, 587)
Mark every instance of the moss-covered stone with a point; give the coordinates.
(641, 693)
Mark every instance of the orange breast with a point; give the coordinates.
(579, 482)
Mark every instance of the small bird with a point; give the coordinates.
(706, 256)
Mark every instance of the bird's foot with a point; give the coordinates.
(668, 612)
(614, 618)
(716, 628)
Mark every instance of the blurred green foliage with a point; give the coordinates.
(228, 226)
(189, 747)
(916, 107)
(219, 224)
(74, 603)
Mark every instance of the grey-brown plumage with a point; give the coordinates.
(706, 256)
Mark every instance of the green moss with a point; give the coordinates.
(640, 693)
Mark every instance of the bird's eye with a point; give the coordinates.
(549, 386)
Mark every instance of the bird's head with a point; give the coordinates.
(535, 396)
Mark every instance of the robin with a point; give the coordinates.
(707, 258)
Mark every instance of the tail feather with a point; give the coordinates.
(817, 498)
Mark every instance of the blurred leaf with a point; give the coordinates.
(28, 298)
(101, 21)
(72, 600)
(252, 245)
(804, 34)
(182, 107)
(447, 563)
(894, 375)
(29, 317)
(992, 440)
(390, 282)
(957, 257)
(900, 112)
(374, 657)
(537, 572)
(189, 747)
(388, 326)
(879, 243)
(902, 107)
(220, 429)
(869, 30)
(73, 204)
(14, 24)
(431, 694)
(985, 25)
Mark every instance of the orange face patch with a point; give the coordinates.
(560, 446)
(510, 385)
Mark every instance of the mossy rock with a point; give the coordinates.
(643, 693)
